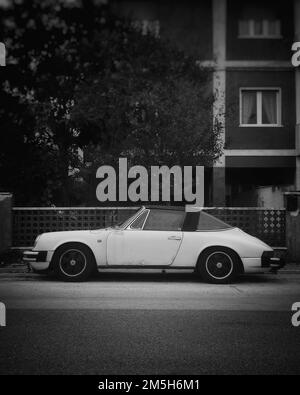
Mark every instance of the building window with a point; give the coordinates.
(260, 107)
(251, 28)
(147, 27)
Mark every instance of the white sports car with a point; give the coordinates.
(155, 238)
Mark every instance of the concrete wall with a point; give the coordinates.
(5, 221)
(292, 237)
(297, 85)
(293, 230)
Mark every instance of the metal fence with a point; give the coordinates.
(267, 224)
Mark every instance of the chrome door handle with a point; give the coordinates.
(174, 238)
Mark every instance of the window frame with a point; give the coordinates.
(148, 27)
(218, 220)
(265, 34)
(135, 219)
(259, 123)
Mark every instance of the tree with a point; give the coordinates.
(83, 77)
(154, 108)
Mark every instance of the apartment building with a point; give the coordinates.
(248, 46)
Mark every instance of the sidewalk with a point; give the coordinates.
(290, 268)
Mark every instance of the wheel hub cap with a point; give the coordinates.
(72, 262)
(219, 265)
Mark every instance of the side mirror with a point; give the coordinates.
(291, 203)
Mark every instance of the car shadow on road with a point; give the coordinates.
(103, 277)
(177, 277)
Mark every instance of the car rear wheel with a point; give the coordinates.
(74, 262)
(218, 265)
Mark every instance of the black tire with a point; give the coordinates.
(219, 265)
(74, 262)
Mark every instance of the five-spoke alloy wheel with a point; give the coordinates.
(74, 262)
(218, 265)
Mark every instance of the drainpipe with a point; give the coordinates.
(219, 87)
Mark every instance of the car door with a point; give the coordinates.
(153, 239)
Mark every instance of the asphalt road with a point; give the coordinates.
(149, 324)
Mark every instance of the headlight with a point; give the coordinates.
(36, 240)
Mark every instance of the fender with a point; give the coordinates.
(96, 241)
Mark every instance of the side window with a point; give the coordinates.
(139, 222)
(208, 222)
(165, 220)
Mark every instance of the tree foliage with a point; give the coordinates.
(79, 76)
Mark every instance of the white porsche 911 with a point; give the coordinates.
(155, 238)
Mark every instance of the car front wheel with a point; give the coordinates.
(218, 266)
(74, 262)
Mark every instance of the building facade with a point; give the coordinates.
(248, 46)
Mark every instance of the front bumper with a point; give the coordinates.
(38, 260)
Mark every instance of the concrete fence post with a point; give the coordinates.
(292, 203)
(5, 221)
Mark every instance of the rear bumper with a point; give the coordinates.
(38, 260)
(269, 260)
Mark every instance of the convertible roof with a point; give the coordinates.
(193, 209)
(165, 207)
